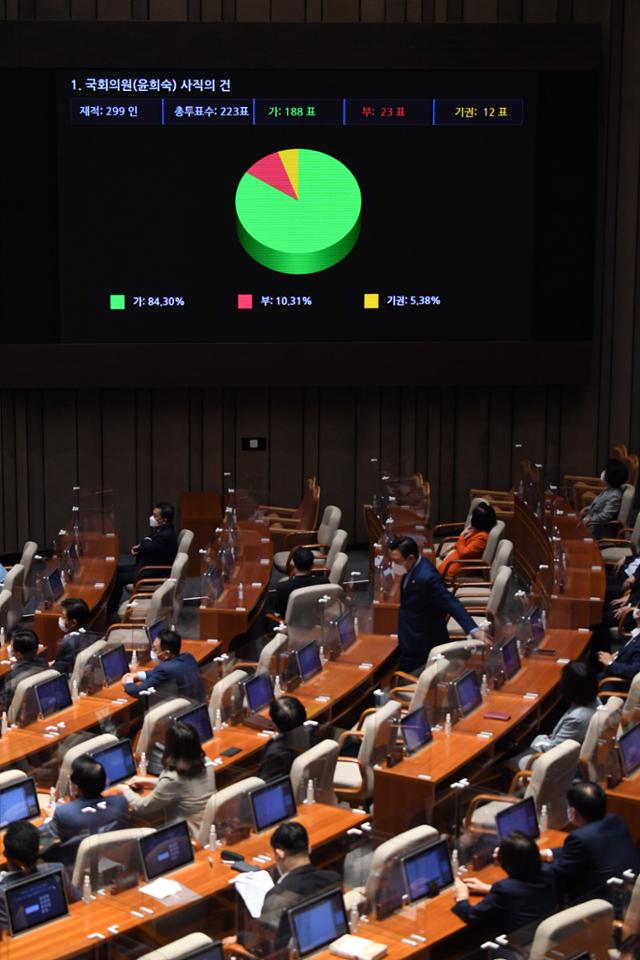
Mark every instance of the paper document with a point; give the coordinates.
(253, 888)
(161, 888)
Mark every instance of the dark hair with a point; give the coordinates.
(579, 683)
(483, 517)
(170, 640)
(406, 545)
(616, 473)
(76, 609)
(519, 856)
(588, 799)
(290, 837)
(89, 776)
(25, 642)
(631, 947)
(182, 750)
(167, 510)
(287, 713)
(303, 558)
(22, 842)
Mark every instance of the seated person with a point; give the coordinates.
(579, 687)
(21, 844)
(600, 513)
(298, 878)
(471, 543)
(178, 673)
(87, 812)
(158, 550)
(182, 789)
(73, 624)
(599, 847)
(516, 904)
(288, 714)
(301, 575)
(24, 644)
(623, 665)
(616, 612)
(630, 949)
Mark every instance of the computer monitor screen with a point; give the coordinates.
(308, 659)
(18, 801)
(272, 803)
(416, 730)
(510, 658)
(346, 631)
(630, 750)
(117, 760)
(198, 718)
(259, 691)
(318, 922)
(156, 628)
(53, 695)
(518, 816)
(212, 951)
(35, 901)
(427, 871)
(114, 664)
(55, 584)
(166, 849)
(468, 692)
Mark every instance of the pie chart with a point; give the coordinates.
(298, 211)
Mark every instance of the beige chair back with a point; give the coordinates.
(337, 546)
(391, 850)
(330, 522)
(632, 916)
(339, 569)
(6, 608)
(599, 740)
(317, 764)
(12, 609)
(371, 730)
(455, 650)
(185, 540)
(23, 689)
(302, 612)
(83, 658)
(161, 606)
(551, 777)
(632, 703)
(29, 551)
(7, 777)
(222, 801)
(503, 557)
(628, 496)
(429, 676)
(499, 589)
(184, 947)
(584, 927)
(220, 688)
(117, 845)
(495, 536)
(80, 750)
(270, 652)
(154, 716)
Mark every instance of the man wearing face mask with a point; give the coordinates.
(175, 674)
(24, 644)
(159, 550)
(425, 606)
(73, 624)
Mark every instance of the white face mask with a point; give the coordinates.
(602, 476)
(153, 522)
(62, 623)
(154, 655)
(398, 569)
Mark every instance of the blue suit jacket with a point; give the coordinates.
(592, 854)
(425, 606)
(627, 663)
(178, 677)
(82, 817)
(70, 647)
(512, 905)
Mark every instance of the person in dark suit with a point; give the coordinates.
(24, 644)
(73, 624)
(176, 675)
(298, 878)
(158, 550)
(288, 714)
(21, 846)
(600, 846)
(88, 812)
(516, 904)
(425, 605)
(301, 575)
(623, 665)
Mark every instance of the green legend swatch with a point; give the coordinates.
(298, 211)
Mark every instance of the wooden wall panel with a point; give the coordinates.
(284, 450)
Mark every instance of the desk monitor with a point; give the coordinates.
(272, 803)
(308, 660)
(52, 695)
(198, 718)
(346, 631)
(510, 658)
(416, 730)
(114, 664)
(35, 901)
(117, 760)
(56, 585)
(318, 922)
(212, 951)
(518, 816)
(259, 691)
(18, 801)
(427, 871)
(468, 692)
(166, 850)
(629, 744)
(156, 628)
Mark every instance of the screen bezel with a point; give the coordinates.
(45, 683)
(421, 710)
(144, 841)
(457, 684)
(110, 747)
(417, 853)
(309, 904)
(270, 786)
(23, 883)
(251, 681)
(107, 653)
(199, 706)
(628, 734)
(510, 809)
(514, 642)
(34, 796)
(57, 573)
(343, 619)
(308, 646)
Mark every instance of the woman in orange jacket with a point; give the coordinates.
(471, 543)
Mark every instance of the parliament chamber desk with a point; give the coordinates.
(111, 915)
(624, 799)
(476, 742)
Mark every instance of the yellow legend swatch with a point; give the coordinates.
(371, 301)
(290, 160)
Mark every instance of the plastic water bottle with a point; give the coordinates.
(86, 888)
(447, 725)
(277, 688)
(323, 659)
(134, 661)
(2, 637)
(213, 837)
(544, 818)
(484, 686)
(354, 919)
(241, 592)
(455, 862)
(356, 628)
(5, 724)
(52, 798)
(311, 792)
(143, 764)
(217, 723)
(75, 693)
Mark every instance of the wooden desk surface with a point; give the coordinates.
(625, 801)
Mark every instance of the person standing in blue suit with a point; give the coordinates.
(425, 606)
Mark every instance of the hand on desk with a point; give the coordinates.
(483, 636)
(474, 885)
(605, 658)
